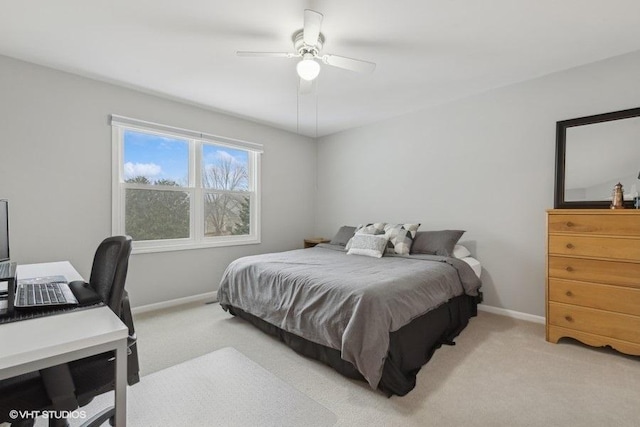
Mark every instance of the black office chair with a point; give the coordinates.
(69, 386)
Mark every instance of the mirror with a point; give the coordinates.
(595, 153)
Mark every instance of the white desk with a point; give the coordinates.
(33, 344)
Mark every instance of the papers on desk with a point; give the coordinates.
(4, 297)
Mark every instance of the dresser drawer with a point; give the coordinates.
(603, 297)
(611, 224)
(588, 270)
(605, 323)
(599, 247)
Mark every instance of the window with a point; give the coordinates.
(179, 189)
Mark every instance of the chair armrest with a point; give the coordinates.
(126, 316)
(133, 367)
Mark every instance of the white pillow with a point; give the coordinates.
(372, 245)
(460, 251)
(371, 228)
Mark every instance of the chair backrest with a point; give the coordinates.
(109, 270)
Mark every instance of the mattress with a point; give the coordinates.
(474, 264)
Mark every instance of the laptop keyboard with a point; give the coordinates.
(38, 294)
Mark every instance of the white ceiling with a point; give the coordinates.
(428, 51)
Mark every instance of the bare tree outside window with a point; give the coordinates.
(226, 204)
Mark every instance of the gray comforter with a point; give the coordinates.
(346, 302)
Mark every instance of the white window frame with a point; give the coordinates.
(196, 140)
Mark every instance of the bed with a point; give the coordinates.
(376, 319)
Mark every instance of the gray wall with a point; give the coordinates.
(484, 164)
(55, 144)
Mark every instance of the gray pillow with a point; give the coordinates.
(436, 242)
(343, 235)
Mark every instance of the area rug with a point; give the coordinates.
(222, 388)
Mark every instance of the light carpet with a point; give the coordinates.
(501, 372)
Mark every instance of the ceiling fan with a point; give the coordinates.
(307, 44)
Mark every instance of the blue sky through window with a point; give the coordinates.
(213, 154)
(159, 157)
(155, 157)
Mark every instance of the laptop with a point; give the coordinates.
(44, 292)
(52, 292)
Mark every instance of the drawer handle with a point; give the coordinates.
(568, 318)
(569, 224)
(569, 294)
(570, 246)
(569, 268)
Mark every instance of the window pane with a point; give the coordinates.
(155, 159)
(156, 214)
(226, 214)
(224, 168)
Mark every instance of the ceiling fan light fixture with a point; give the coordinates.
(308, 68)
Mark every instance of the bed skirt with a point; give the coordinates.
(410, 347)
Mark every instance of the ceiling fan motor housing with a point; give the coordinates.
(302, 48)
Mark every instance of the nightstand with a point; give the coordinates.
(309, 243)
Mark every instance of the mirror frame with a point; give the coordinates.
(561, 146)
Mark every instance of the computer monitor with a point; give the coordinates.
(4, 230)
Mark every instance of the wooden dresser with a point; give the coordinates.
(593, 277)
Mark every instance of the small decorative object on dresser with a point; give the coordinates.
(593, 277)
(311, 242)
(617, 198)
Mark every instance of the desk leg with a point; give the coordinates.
(121, 384)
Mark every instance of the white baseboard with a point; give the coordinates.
(207, 296)
(511, 313)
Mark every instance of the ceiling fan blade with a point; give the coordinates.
(350, 64)
(312, 23)
(305, 87)
(267, 54)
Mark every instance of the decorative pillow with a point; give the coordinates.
(372, 245)
(436, 242)
(460, 252)
(400, 237)
(371, 228)
(343, 235)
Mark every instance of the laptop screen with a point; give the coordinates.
(4, 230)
